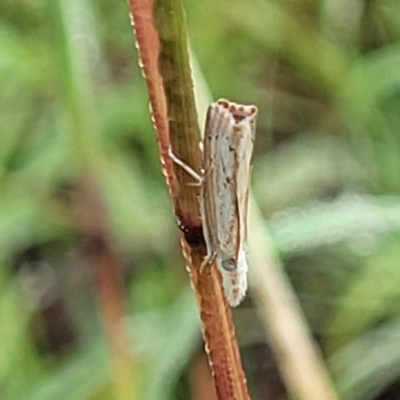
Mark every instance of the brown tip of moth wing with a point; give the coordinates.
(238, 111)
(224, 103)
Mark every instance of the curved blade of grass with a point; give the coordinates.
(341, 220)
(297, 356)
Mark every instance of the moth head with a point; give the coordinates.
(229, 264)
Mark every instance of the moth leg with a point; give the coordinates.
(186, 167)
(208, 259)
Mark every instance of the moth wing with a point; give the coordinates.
(218, 162)
(244, 149)
(226, 199)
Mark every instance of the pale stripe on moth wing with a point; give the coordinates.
(227, 150)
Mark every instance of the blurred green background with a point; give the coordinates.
(325, 75)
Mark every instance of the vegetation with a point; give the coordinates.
(80, 176)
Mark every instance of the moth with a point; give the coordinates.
(228, 144)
